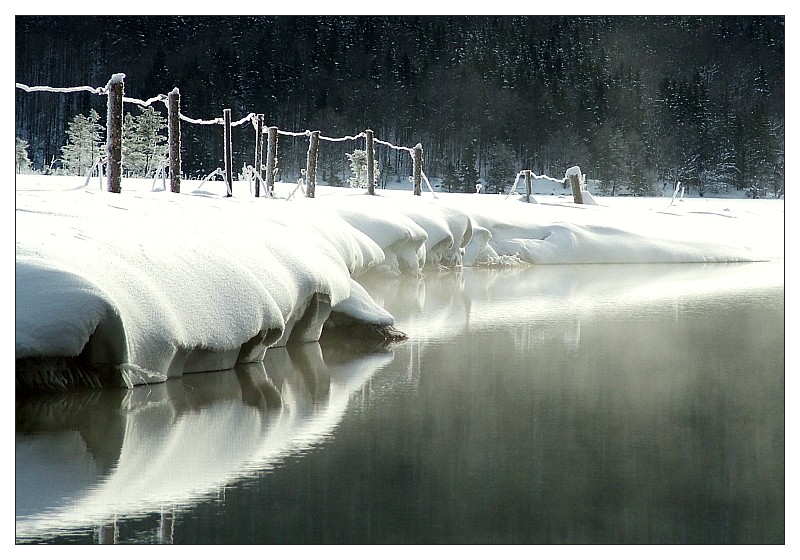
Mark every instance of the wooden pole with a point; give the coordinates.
(174, 126)
(226, 113)
(311, 165)
(259, 150)
(272, 158)
(370, 149)
(527, 173)
(116, 87)
(575, 182)
(418, 170)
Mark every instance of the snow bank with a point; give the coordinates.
(150, 285)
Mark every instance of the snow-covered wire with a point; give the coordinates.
(343, 138)
(97, 90)
(401, 148)
(514, 186)
(533, 176)
(98, 164)
(252, 172)
(217, 171)
(160, 97)
(286, 133)
(218, 120)
(162, 172)
(430, 188)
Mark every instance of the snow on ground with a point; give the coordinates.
(150, 284)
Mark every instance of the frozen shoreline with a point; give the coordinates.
(151, 285)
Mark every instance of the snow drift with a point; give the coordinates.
(145, 286)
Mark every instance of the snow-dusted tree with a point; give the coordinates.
(468, 173)
(451, 181)
(23, 162)
(502, 169)
(358, 165)
(144, 142)
(84, 143)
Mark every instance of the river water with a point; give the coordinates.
(561, 404)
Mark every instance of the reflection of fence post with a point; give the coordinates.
(226, 113)
(259, 150)
(114, 132)
(272, 157)
(174, 126)
(107, 534)
(527, 173)
(311, 165)
(370, 149)
(418, 170)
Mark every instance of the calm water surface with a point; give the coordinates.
(565, 404)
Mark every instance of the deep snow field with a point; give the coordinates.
(149, 284)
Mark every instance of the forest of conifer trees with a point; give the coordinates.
(638, 102)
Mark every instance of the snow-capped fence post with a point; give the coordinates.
(369, 147)
(259, 150)
(174, 141)
(527, 173)
(573, 177)
(226, 114)
(418, 170)
(272, 157)
(115, 89)
(311, 164)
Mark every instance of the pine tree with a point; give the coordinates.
(84, 143)
(23, 162)
(502, 167)
(358, 164)
(144, 142)
(468, 172)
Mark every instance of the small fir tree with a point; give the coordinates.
(23, 162)
(502, 168)
(84, 143)
(144, 142)
(451, 180)
(358, 165)
(468, 172)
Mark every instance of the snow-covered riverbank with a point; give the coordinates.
(151, 285)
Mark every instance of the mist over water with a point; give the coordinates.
(562, 404)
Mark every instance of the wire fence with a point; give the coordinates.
(251, 118)
(261, 173)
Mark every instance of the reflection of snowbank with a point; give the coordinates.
(151, 285)
(439, 306)
(179, 441)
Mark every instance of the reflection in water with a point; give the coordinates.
(563, 404)
(90, 458)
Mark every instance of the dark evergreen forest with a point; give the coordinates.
(635, 101)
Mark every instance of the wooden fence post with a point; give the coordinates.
(527, 173)
(418, 170)
(370, 149)
(116, 86)
(226, 113)
(311, 165)
(174, 126)
(259, 150)
(574, 179)
(272, 158)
